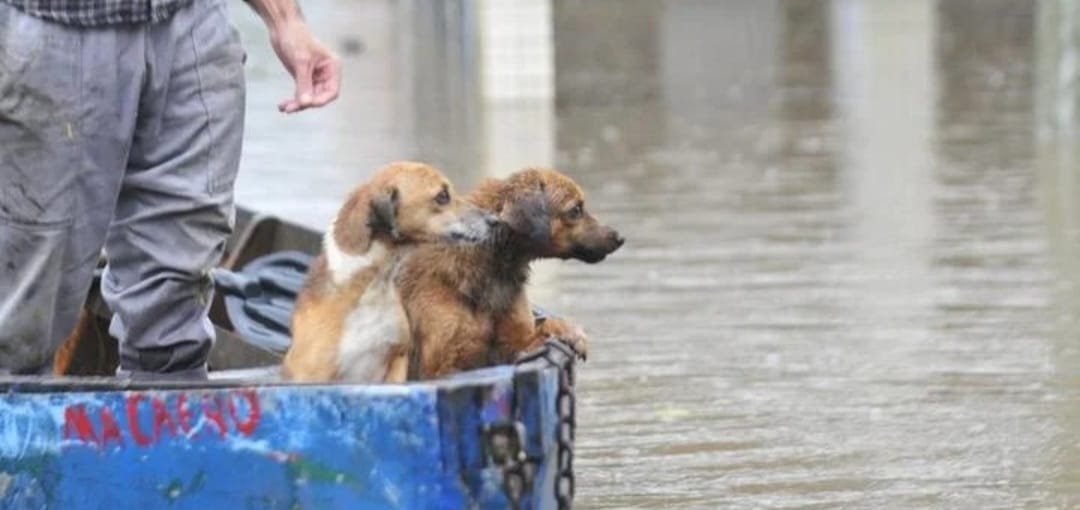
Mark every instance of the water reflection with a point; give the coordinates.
(851, 277)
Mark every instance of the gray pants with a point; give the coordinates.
(126, 138)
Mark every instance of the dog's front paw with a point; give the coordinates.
(570, 334)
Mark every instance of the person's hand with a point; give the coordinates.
(315, 69)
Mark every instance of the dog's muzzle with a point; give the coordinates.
(597, 252)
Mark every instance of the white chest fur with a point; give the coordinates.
(370, 330)
(376, 321)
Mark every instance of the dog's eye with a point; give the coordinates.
(576, 212)
(443, 197)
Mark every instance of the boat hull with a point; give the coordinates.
(94, 444)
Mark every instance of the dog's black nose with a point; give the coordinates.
(619, 240)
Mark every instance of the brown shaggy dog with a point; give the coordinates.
(467, 305)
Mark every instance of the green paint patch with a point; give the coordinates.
(301, 470)
(198, 482)
(177, 488)
(308, 470)
(174, 490)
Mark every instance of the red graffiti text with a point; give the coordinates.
(146, 419)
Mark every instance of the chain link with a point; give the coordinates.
(564, 483)
(567, 423)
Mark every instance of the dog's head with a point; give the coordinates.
(417, 203)
(408, 202)
(546, 211)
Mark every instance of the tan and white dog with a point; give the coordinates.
(349, 324)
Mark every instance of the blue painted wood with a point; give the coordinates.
(414, 446)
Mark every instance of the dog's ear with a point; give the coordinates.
(527, 215)
(383, 217)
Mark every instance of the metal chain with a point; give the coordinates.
(564, 482)
(567, 423)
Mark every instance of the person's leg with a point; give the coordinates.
(62, 143)
(176, 204)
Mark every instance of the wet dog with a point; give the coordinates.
(348, 324)
(467, 305)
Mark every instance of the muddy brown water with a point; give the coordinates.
(851, 277)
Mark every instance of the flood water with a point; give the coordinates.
(852, 275)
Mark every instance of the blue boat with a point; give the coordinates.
(494, 438)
